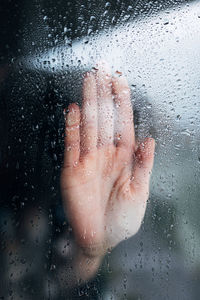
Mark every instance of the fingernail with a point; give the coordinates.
(86, 75)
(122, 79)
(71, 118)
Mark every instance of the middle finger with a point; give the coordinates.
(105, 105)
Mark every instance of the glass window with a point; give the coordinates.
(86, 88)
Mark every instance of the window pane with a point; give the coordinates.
(46, 49)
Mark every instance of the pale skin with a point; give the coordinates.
(106, 173)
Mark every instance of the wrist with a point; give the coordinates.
(86, 264)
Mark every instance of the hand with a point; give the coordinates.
(105, 177)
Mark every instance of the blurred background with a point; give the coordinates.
(46, 46)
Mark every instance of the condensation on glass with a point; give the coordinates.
(46, 47)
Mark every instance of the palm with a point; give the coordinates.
(105, 178)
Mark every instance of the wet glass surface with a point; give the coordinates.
(46, 48)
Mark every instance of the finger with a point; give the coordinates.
(89, 118)
(143, 167)
(124, 126)
(105, 105)
(72, 136)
